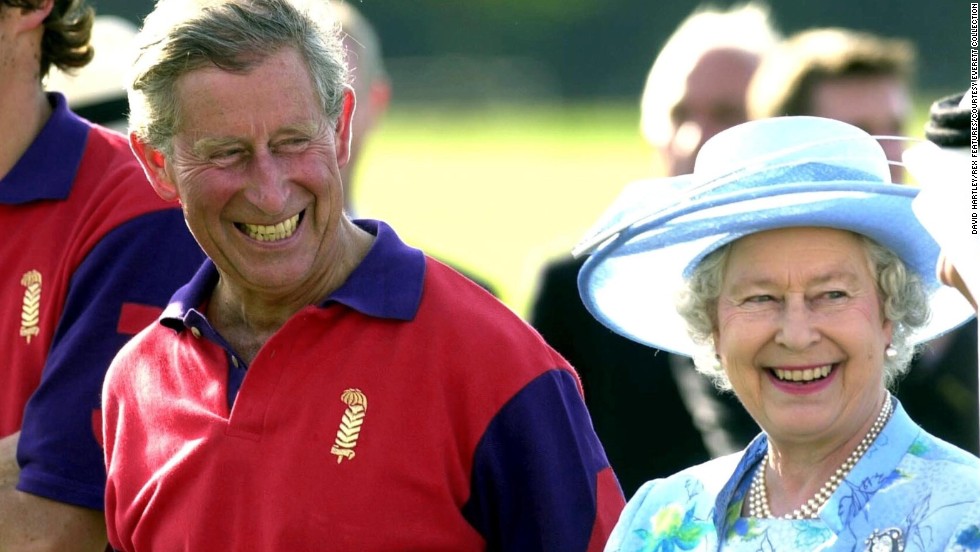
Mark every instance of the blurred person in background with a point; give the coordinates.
(695, 88)
(942, 166)
(843, 74)
(372, 88)
(90, 257)
(946, 206)
(370, 82)
(865, 80)
(698, 83)
(98, 93)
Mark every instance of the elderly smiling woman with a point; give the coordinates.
(856, 264)
(797, 276)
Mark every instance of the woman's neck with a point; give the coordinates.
(801, 472)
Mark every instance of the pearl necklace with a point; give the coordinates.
(758, 497)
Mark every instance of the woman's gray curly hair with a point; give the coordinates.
(901, 293)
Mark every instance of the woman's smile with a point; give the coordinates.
(800, 380)
(802, 375)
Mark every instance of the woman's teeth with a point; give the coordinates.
(273, 232)
(807, 375)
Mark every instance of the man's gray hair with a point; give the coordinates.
(181, 36)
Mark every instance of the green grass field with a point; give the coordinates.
(500, 190)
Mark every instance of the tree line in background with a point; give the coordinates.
(602, 48)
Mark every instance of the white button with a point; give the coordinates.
(196, 332)
(234, 361)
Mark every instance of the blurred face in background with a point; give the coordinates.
(878, 104)
(713, 100)
(372, 93)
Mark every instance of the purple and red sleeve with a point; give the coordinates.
(541, 480)
(121, 286)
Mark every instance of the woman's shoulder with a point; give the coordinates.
(932, 449)
(933, 464)
(681, 504)
(917, 451)
(702, 479)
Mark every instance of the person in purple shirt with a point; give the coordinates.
(90, 255)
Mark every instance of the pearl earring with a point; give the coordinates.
(890, 351)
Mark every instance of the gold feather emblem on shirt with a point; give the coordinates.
(350, 424)
(30, 315)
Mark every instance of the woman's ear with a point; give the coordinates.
(154, 165)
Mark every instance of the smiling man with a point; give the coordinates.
(319, 384)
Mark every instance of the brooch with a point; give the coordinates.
(889, 540)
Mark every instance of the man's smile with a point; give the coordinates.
(271, 232)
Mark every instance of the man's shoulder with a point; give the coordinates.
(468, 314)
(447, 288)
(141, 358)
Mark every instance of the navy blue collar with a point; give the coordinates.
(47, 169)
(387, 283)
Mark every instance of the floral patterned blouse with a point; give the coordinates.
(909, 492)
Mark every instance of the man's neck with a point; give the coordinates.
(23, 113)
(247, 319)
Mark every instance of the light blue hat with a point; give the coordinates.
(761, 175)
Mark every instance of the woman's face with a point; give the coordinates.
(800, 332)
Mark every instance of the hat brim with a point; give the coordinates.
(630, 283)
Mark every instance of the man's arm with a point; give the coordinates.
(951, 277)
(35, 524)
(541, 481)
(56, 491)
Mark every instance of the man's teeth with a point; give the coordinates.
(809, 374)
(272, 232)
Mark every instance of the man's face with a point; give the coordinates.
(713, 100)
(256, 166)
(877, 104)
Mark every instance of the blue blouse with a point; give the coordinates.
(910, 491)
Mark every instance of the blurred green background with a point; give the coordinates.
(499, 190)
(515, 122)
